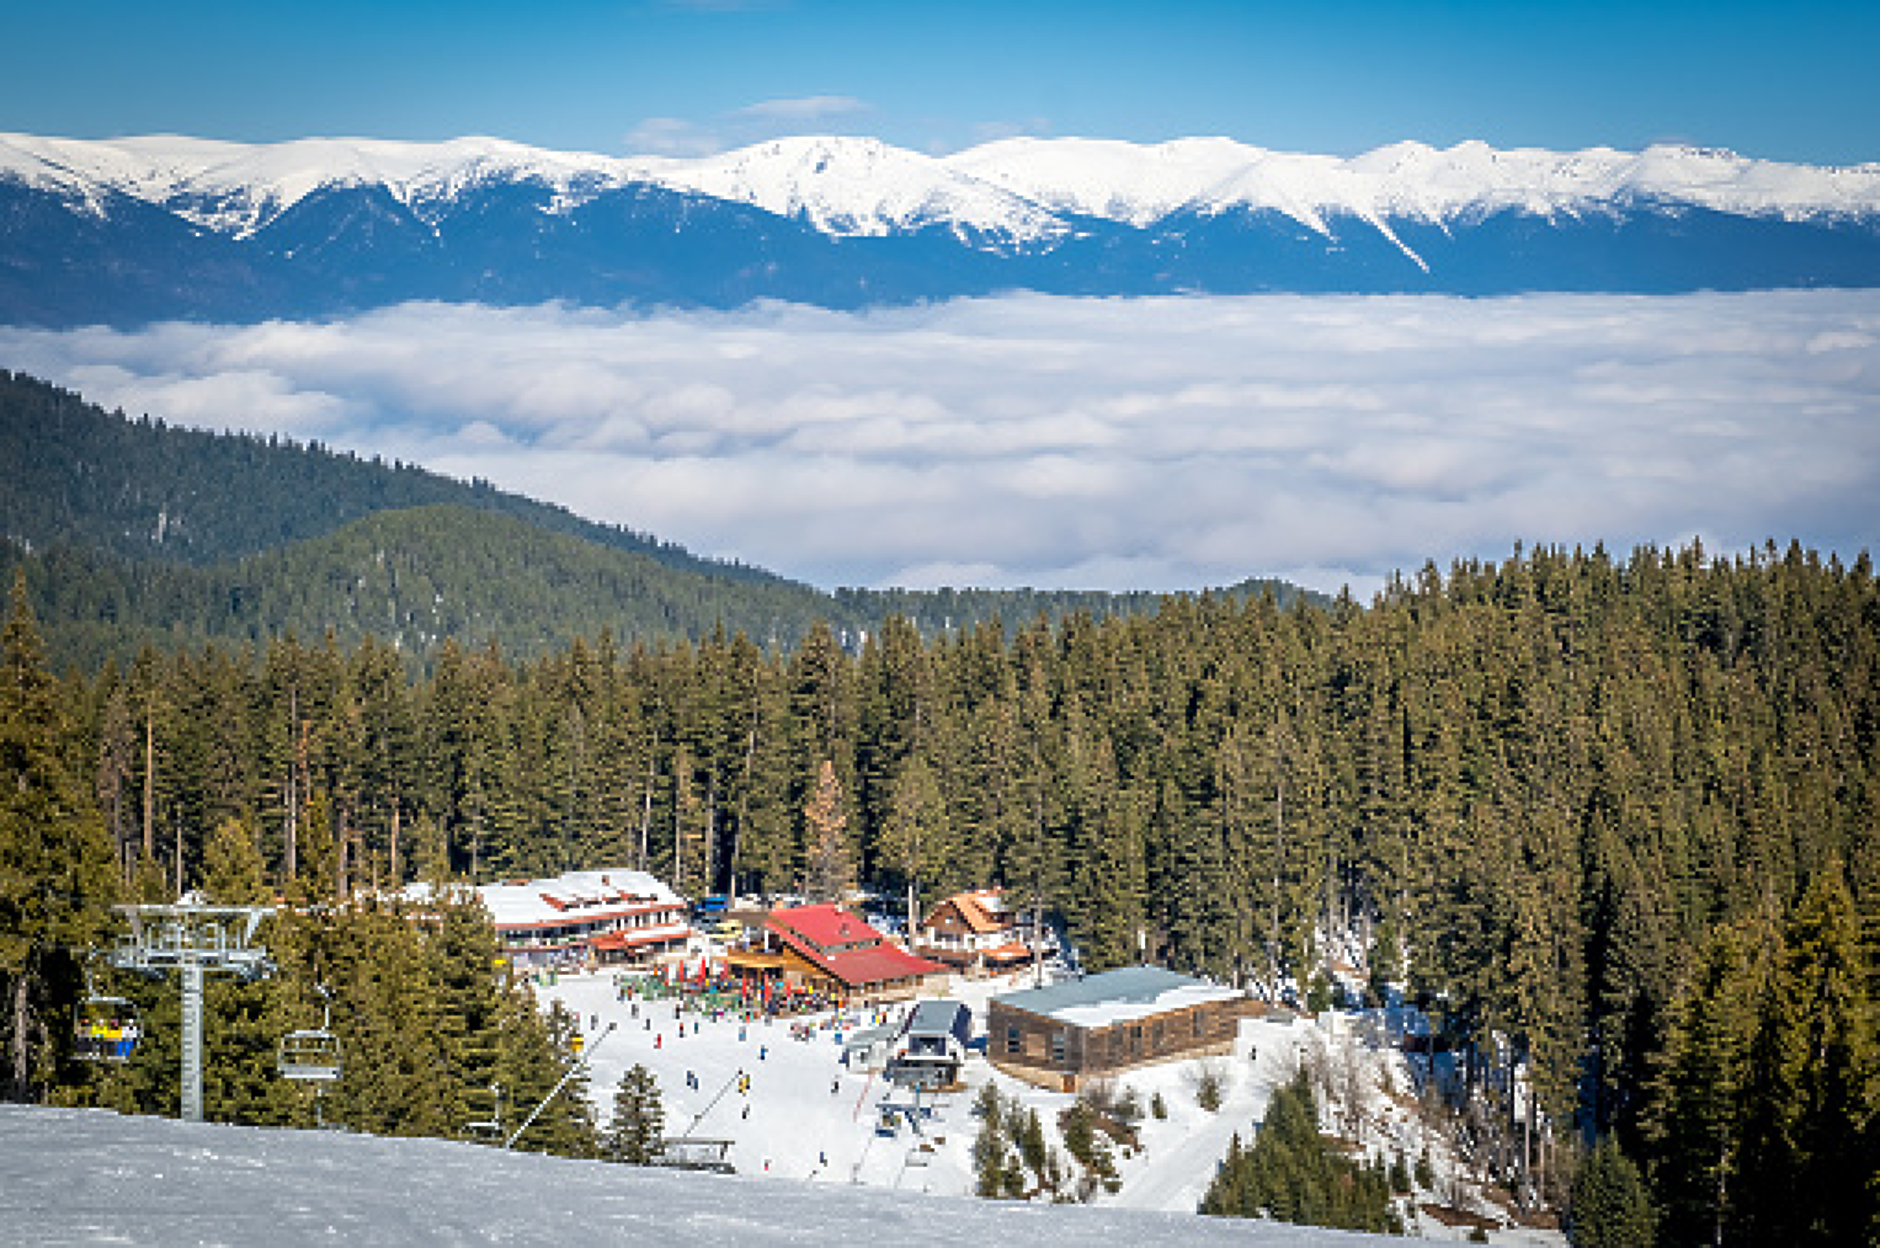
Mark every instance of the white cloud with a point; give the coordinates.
(672, 136)
(753, 123)
(807, 110)
(1155, 443)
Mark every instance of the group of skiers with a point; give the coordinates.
(109, 1038)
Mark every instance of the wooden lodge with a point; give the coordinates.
(1062, 1034)
(974, 933)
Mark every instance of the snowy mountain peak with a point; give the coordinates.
(330, 223)
(860, 186)
(1014, 190)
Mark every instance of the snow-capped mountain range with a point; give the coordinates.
(165, 225)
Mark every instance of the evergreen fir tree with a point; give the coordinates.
(831, 866)
(1812, 1114)
(1609, 1207)
(233, 871)
(1696, 1122)
(1294, 1174)
(915, 841)
(638, 1125)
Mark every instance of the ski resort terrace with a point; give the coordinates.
(826, 949)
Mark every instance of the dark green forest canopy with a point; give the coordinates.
(1547, 778)
(145, 490)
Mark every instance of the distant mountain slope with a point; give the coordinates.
(411, 578)
(134, 532)
(142, 489)
(130, 230)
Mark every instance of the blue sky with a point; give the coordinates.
(1782, 81)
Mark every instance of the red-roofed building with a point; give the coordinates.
(825, 948)
(974, 932)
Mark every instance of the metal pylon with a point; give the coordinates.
(195, 940)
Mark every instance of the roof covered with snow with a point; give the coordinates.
(576, 897)
(1119, 996)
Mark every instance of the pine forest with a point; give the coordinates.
(1614, 820)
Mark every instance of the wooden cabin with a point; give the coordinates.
(1062, 1034)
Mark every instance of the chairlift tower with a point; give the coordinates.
(196, 940)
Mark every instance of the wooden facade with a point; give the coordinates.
(826, 949)
(974, 933)
(1060, 1047)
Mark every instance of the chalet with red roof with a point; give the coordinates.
(974, 932)
(824, 948)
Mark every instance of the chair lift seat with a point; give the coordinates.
(106, 1029)
(311, 1055)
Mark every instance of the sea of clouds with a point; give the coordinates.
(1108, 443)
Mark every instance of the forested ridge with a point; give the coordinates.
(133, 532)
(147, 490)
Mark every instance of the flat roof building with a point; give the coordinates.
(1062, 1034)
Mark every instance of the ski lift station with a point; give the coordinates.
(931, 1049)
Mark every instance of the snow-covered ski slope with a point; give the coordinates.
(92, 1176)
(810, 1119)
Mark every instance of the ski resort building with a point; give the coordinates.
(827, 949)
(975, 933)
(586, 918)
(1062, 1034)
(931, 1048)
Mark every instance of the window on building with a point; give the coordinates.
(1013, 1043)
(1196, 1016)
(1057, 1048)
